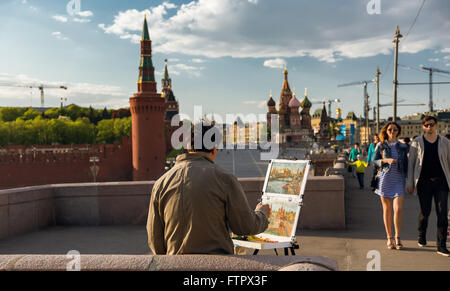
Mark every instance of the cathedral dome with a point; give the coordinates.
(271, 102)
(294, 102)
(306, 103)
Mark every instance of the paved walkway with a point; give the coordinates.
(349, 247)
(365, 232)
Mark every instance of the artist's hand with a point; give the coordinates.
(265, 208)
(390, 161)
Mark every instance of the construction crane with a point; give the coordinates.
(430, 83)
(365, 96)
(390, 104)
(431, 70)
(329, 102)
(41, 88)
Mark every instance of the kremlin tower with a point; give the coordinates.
(148, 114)
(171, 107)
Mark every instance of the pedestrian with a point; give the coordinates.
(391, 159)
(370, 156)
(360, 169)
(195, 205)
(371, 151)
(356, 150)
(429, 178)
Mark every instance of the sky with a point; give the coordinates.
(225, 55)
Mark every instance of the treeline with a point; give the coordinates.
(72, 125)
(73, 111)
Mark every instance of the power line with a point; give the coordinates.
(414, 22)
(409, 30)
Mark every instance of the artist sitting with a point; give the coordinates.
(195, 205)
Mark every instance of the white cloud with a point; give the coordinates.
(86, 13)
(79, 93)
(433, 60)
(81, 20)
(445, 50)
(178, 69)
(282, 29)
(59, 35)
(275, 63)
(198, 61)
(260, 104)
(60, 18)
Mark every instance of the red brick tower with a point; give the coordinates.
(147, 113)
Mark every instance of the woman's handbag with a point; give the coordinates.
(375, 180)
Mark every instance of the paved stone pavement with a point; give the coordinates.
(349, 247)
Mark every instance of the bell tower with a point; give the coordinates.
(147, 113)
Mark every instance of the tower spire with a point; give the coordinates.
(146, 82)
(145, 33)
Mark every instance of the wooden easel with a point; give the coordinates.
(292, 248)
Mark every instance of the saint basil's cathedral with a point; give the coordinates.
(295, 125)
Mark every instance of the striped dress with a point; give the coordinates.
(392, 183)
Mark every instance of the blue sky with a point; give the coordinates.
(225, 55)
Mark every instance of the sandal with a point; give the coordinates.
(398, 243)
(390, 243)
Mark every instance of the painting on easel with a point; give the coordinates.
(282, 220)
(286, 177)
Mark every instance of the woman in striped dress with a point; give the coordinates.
(391, 158)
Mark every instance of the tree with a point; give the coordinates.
(8, 114)
(105, 131)
(30, 114)
(52, 113)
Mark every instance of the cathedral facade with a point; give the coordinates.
(295, 125)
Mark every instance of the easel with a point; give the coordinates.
(287, 200)
(292, 248)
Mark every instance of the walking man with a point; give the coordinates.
(429, 177)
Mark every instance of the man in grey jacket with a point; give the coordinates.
(196, 203)
(429, 177)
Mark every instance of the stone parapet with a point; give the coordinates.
(24, 210)
(167, 263)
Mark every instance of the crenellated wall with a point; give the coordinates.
(22, 166)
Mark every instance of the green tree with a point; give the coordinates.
(74, 112)
(105, 131)
(30, 114)
(53, 113)
(11, 113)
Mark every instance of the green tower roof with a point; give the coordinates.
(145, 33)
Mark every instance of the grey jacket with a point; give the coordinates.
(383, 151)
(416, 160)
